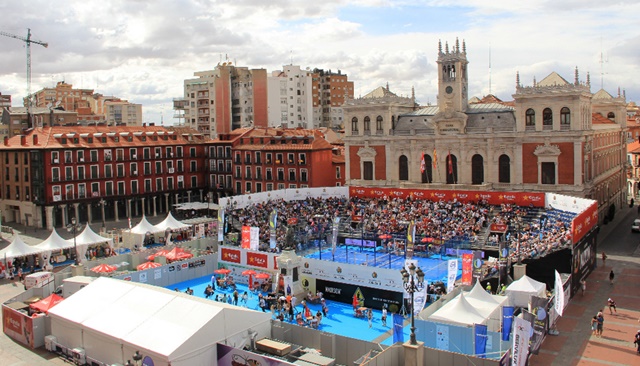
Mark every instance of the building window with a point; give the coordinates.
(67, 157)
(292, 175)
(452, 169)
(121, 189)
(268, 174)
(504, 169)
(379, 123)
(158, 184)
(530, 117)
(403, 168)
(108, 188)
(158, 167)
(80, 156)
(94, 155)
(291, 159)
(548, 173)
(108, 171)
(354, 124)
(94, 172)
(547, 117)
(68, 173)
(367, 124)
(565, 116)
(280, 174)
(477, 169)
(269, 186)
(107, 155)
(134, 187)
(147, 186)
(611, 116)
(367, 173)
(247, 187)
(55, 157)
(427, 175)
(95, 189)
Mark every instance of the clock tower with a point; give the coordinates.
(453, 84)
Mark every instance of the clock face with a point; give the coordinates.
(448, 90)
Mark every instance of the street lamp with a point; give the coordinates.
(518, 241)
(73, 227)
(412, 281)
(137, 358)
(102, 202)
(209, 197)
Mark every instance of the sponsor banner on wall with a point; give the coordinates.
(452, 273)
(257, 259)
(230, 255)
(254, 241)
(367, 296)
(221, 225)
(535, 199)
(467, 269)
(229, 356)
(584, 222)
(245, 240)
(273, 223)
(539, 307)
(520, 348)
(477, 265)
(374, 277)
(559, 294)
(442, 336)
(18, 326)
(288, 285)
(584, 260)
(157, 273)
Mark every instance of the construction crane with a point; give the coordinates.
(28, 41)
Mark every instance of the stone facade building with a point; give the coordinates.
(555, 136)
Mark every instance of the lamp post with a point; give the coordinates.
(137, 358)
(518, 240)
(73, 228)
(209, 197)
(102, 202)
(412, 281)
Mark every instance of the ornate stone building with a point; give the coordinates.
(555, 136)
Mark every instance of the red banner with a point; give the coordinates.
(584, 222)
(498, 228)
(536, 199)
(257, 259)
(246, 237)
(17, 326)
(230, 255)
(467, 268)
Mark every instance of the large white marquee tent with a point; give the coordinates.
(111, 319)
(520, 291)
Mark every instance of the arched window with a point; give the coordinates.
(565, 116)
(452, 169)
(477, 169)
(367, 124)
(403, 168)
(504, 169)
(379, 123)
(547, 117)
(530, 117)
(354, 124)
(611, 116)
(427, 175)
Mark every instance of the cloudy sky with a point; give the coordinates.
(142, 50)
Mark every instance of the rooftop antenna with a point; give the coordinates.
(489, 68)
(602, 62)
(291, 57)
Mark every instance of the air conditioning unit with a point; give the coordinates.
(171, 170)
(133, 156)
(50, 343)
(79, 356)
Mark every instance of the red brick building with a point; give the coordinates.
(52, 174)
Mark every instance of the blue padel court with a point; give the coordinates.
(340, 319)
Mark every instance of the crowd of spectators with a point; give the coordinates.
(435, 221)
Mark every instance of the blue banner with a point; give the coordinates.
(507, 320)
(481, 340)
(398, 335)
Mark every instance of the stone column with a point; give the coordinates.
(102, 203)
(188, 196)
(143, 206)
(577, 162)
(64, 214)
(155, 208)
(413, 354)
(49, 217)
(115, 211)
(89, 215)
(75, 213)
(166, 201)
(129, 207)
(201, 196)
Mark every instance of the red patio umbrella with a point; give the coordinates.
(385, 236)
(177, 254)
(148, 265)
(222, 271)
(47, 303)
(103, 268)
(159, 253)
(425, 240)
(249, 272)
(263, 276)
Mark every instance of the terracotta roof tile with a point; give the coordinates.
(599, 119)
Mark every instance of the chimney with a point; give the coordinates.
(23, 140)
(6, 141)
(35, 139)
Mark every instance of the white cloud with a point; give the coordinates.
(143, 50)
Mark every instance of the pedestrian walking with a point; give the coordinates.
(600, 325)
(594, 325)
(612, 306)
(370, 317)
(235, 297)
(384, 315)
(636, 341)
(604, 258)
(583, 286)
(611, 277)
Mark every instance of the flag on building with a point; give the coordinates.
(435, 158)
(450, 163)
(423, 166)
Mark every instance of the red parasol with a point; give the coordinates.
(47, 303)
(425, 240)
(148, 265)
(262, 276)
(222, 271)
(249, 272)
(356, 302)
(177, 254)
(159, 253)
(385, 236)
(104, 268)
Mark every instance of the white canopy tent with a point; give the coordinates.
(458, 311)
(88, 237)
(171, 223)
(53, 243)
(520, 291)
(137, 234)
(18, 248)
(111, 319)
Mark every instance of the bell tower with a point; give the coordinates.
(452, 77)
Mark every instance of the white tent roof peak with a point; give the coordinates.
(171, 223)
(478, 293)
(89, 237)
(460, 311)
(54, 242)
(526, 283)
(144, 226)
(18, 248)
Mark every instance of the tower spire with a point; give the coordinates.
(575, 81)
(517, 79)
(457, 45)
(439, 46)
(446, 47)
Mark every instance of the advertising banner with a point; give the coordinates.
(477, 265)
(273, 223)
(442, 336)
(503, 257)
(507, 320)
(540, 321)
(467, 269)
(246, 237)
(254, 242)
(257, 259)
(559, 295)
(220, 225)
(369, 276)
(230, 255)
(398, 334)
(369, 297)
(521, 332)
(18, 326)
(452, 273)
(481, 340)
(584, 260)
(288, 285)
(229, 356)
(334, 234)
(411, 236)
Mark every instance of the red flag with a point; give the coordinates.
(435, 158)
(423, 166)
(450, 163)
